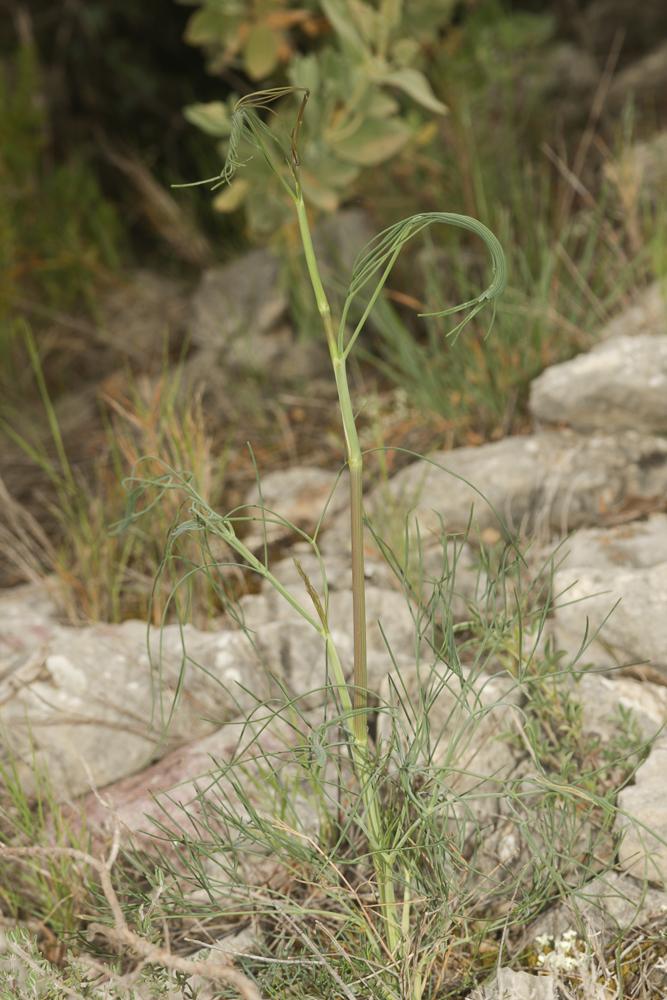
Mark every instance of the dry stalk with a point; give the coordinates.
(122, 935)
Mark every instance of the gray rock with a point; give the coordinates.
(237, 301)
(142, 314)
(261, 763)
(137, 800)
(605, 907)
(237, 307)
(509, 985)
(621, 613)
(334, 563)
(292, 649)
(646, 316)
(508, 854)
(597, 569)
(93, 705)
(299, 495)
(338, 238)
(552, 481)
(643, 848)
(29, 617)
(620, 385)
(603, 698)
(636, 545)
(441, 571)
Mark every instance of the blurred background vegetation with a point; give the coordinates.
(527, 115)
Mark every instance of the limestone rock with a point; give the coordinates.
(637, 545)
(145, 311)
(237, 300)
(334, 562)
(607, 906)
(620, 385)
(643, 848)
(622, 614)
(299, 495)
(29, 620)
(441, 570)
(237, 308)
(170, 787)
(552, 481)
(292, 649)
(260, 763)
(509, 985)
(96, 705)
(602, 698)
(93, 703)
(338, 238)
(646, 316)
(612, 587)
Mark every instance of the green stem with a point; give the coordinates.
(382, 858)
(355, 465)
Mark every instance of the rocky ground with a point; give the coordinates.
(587, 487)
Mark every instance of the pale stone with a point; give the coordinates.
(549, 482)
(236, 299)
(608, 618)
(94, 704)
(619, 385)
(605, 907)
(636, 545)
(295, 498)
(646, 315)
(509, 985)
(642, 821)
(603, 698)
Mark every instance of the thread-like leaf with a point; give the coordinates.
(381, 253)
(248, 127)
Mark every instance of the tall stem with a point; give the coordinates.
(382, 858)
(355, 465)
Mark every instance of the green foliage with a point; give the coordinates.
(565, 278)
(365, 80)
(51, 887)
(99, 569)
(57, 231)
(573, 258)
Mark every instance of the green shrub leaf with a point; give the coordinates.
(339, 18)
(415, 85)
(260, 53)
(374, 142)
(232, 196)
(212, 118)
(208, 26)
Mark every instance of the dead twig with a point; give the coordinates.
(122, 935)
